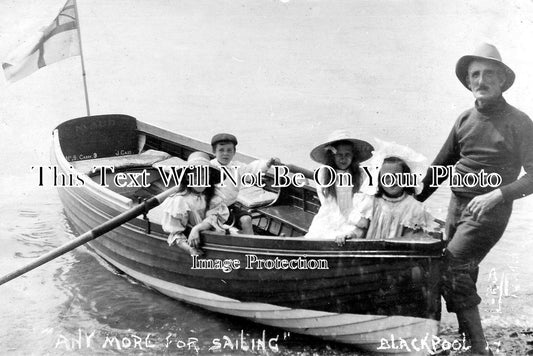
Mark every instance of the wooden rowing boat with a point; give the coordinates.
(363, 293)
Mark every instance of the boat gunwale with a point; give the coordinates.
(104, 203)
(109, 198)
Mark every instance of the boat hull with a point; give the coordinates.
(362, 293)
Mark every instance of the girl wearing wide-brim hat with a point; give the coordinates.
(340, 154)
(387, 209)
(188, 206)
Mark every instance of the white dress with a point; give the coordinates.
(182, 209)
(332, 217)
(388, 216)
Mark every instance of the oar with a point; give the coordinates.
(92, 234)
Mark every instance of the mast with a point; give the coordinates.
(82, 62)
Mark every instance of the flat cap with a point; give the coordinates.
(223, 137)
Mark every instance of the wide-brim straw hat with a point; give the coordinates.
(202, 159)
(488, 52)
(416, 162)
(362, 149)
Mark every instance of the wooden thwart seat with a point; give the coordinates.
(284, 219)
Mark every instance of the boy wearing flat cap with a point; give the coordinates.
(224, 148)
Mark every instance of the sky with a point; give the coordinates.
(279, 74)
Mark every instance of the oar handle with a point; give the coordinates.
(92, 234)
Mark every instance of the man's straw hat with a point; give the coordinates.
(488, 52)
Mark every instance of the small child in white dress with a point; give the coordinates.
(341, 154)
(188, 206)
(388, 209)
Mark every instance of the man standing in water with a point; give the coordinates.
(491, 137)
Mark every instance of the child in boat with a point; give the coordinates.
(341, 155)
(188, 206)
(388, 209)
(224, 148)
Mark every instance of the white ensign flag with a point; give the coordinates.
(56, 42)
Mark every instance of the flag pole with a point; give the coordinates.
(82, 62)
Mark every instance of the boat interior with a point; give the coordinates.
(137, 147)
(275, 211)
